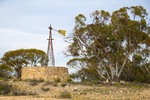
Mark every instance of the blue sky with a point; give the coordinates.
(24, 23)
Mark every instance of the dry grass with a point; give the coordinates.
(44, 91)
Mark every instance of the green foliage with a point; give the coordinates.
(65, 94)
(110, 44)
(73, 75)
(86, 74)
(4, 70)
(1, 78)
(16, 59)
(136, 74)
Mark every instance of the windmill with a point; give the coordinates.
(50, 51)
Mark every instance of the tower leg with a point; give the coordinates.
(50, 52)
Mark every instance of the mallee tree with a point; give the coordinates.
(110, 43)
(17, 59)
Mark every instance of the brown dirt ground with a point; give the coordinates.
(50, 91)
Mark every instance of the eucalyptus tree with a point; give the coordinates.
(4, 70)
(17, 59)
(110, 41)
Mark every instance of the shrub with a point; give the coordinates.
(63, 84)
(57, 80)
(16, 80)
(34, 82)
(48, 82)
(65, 94)
(54, 83)
(69, 80)
(18, 92)
(45, 89)
(1, 78)
(5, 88)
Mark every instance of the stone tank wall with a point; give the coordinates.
(44, 72)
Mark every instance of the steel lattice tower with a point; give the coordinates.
(50, 52)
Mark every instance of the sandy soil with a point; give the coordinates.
(51, 91)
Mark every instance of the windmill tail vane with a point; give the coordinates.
(62, 32)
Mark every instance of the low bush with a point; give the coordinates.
(69, 80)
(63, 84)
(1, 78)
(65, 94)
(16, 80)
(57, 80)
(5, 88)
(45, 89)
(34, 82)
(18, 92)
(54, 84)
(48, 82)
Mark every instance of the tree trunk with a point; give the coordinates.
(19, 72)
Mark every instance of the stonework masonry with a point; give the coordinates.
(45, 73)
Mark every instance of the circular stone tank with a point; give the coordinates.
(45, 73)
